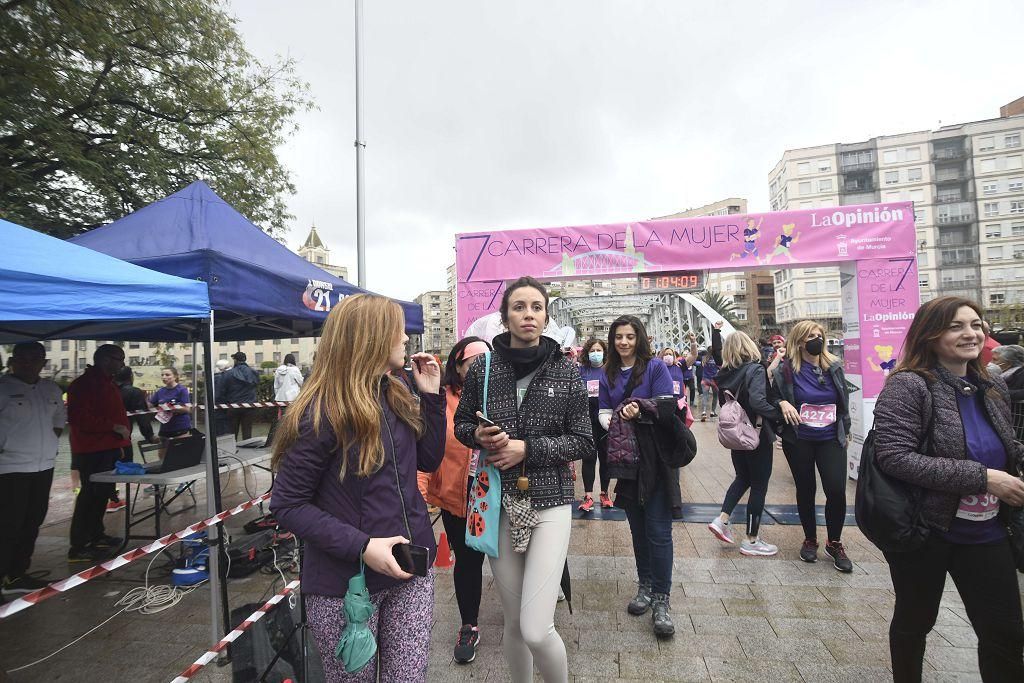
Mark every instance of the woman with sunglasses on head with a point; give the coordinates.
(448, 489)
(815, 403)
(943, 425)
(643, 490)
(538, 407)
(592, 361)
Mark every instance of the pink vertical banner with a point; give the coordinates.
(888, 296)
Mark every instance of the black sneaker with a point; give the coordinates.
(837, 552)
(21, 585)
(809, 550)
(663, 626)
(88, 554)
(465, 648)
(105, 542)
(642, 602)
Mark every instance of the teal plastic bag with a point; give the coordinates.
(357, 645)
(484, 507)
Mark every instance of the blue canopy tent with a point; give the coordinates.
(259, 289)
(50, 289)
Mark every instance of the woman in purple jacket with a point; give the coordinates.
(346, 455)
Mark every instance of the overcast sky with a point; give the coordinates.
(531, 113)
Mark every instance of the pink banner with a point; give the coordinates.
(736, 242)
(888, 296)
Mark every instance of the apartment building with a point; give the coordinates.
(967, 185)
(67, 359)
(438, 322)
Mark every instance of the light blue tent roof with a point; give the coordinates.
(50, 288)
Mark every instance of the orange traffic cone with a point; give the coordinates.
(444, 553)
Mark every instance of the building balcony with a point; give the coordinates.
(949, 199)
(949, 154)
(960, 219)
(958, 260)
(858, 188)
(960, 176)
(863, 167)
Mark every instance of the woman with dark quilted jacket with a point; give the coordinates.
(537, 401)
(943, 424)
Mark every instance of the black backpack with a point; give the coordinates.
(888, 509)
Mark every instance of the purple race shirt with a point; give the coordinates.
(816, 401)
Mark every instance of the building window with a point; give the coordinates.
(259, 358)
(804, 188)
(994, 253)
(803, 168)
(1017, 230)
(223, 356)
(918, 216)
(1017, 206)
(997, 274)
(1012, 140)
(913, 153)
(990, 188)
(991, 208)
(922, 259)
(825, 185)
(188, 359)
(1016, 185)
(917, 196)
(824, 165)
(64, 344)
(996, 298)
(892, 177)
(277, 356)
(988, 165)
(811, 288)
(831, 286)
(133, 345)
(1018, 251)
(994, 231)
(223, 344)
(890, 156)
(277, 342)
(914, 175)
(986, 144)
(1013, 163)
(923, 281)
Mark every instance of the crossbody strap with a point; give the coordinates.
(487, 378)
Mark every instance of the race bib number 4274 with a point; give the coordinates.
(818, 415)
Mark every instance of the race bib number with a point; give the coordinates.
(593, 387)
(818, 416)
(979, 508)
(676, 388)
(164, 416)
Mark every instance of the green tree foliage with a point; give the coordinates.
(722, 305)
(108, 105)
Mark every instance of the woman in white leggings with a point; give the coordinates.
(541, 413)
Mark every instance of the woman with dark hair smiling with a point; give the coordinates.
(942, 424)
(537, 425)
(642, 490)
(448, 489)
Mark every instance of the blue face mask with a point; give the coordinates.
(596, 357)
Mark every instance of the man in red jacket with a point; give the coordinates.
(99, 430)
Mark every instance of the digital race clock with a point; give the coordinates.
(673, 281)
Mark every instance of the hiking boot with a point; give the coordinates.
(606, 502)
(642, 602)
(588, 504)
(465, 647)
(721, 530)
(809, 550)
(837, 552)
(20, 585)
(758, 548)
(663, 626)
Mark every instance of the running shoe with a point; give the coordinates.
(703, 417)
(21, 585)
(561, 594)
(758, 548)
(714, 414)
(721, 530)
(606, 502)
(115, 505)
(837, 552)
(86, 555)
(809, 550)
(465, 646)
(77, 490)
(105, 542)
(588, 504)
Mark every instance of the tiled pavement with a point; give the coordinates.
(737, 618)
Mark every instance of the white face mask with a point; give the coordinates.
(669, 359)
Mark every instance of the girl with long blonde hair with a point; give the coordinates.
(815, 403)
(346, 455)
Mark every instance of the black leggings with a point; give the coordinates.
(830, 458)
(691, 386)
(986, 579)
(601, 442)
(753, 470)
(468, 571)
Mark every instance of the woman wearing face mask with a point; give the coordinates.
(643, 490)
(591, 370)
(709, 387)
(943, 426)
(538, 403)
(678, 366)
(815, 404)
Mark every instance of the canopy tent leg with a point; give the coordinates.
(219, 613)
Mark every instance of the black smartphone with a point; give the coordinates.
(485, 422)
(411, 558)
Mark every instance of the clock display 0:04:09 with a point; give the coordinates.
(655, 282)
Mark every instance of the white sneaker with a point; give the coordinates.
(561, 595)
(721, 530)
(758, 548)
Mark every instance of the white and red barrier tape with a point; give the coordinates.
(34, 598)
(211, 654)
(169, 406)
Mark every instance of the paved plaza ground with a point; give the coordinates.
(737, 618)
